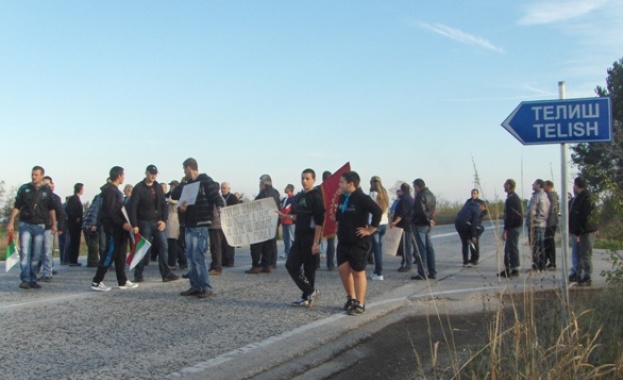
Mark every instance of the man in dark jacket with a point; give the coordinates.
(400, 219)
(228, 252)
(424, 209)
(197, 219)
(513, 220)
(116, 230)
(581, 225)
(148, 214)
(354, 235)
(74, 224)
(264, 254)
(467, 224)
(308, 213)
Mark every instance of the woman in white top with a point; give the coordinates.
(379, 195)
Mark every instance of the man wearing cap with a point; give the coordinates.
(264, 254)
(148, 214)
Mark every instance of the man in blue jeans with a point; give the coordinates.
(148, 214)
(197, 219)
(424, 208)
(35, 205)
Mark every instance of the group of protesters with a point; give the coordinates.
(182, 232)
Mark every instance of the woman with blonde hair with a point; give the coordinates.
(380, 196)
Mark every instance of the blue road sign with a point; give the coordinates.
(561, 121)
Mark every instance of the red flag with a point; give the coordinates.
(331, 195)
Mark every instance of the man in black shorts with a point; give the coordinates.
(308, 213)
(354, 233)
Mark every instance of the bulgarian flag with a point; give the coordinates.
(12, 254)
(331, 196)
(138, 251)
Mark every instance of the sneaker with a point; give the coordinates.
(350, 302)
(190, 292)
(376, 277)
(24, 285)
(301, 301)
(468, 265)
(100, 287)
(170, 278)
(550, 267)
(205, 294)
(128, 285)
(313, 298)
(357, 309)
(34, 285)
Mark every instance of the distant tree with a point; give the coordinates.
(602, 163)
(6, 201)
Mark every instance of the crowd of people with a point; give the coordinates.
(181, 234)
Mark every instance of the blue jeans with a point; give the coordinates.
(196, 248)
(538, 248)
(31, 241)
(377, 249)
(149, 230)
(288, 237)
(574, 256)
(584, 253)
(425, 257)
(47, 258)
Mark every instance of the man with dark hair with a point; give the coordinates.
(308, 214)
(513, 218)
(354, 235)
(287, 225)
(264, 254)
(536, 222)
(424, 210)
(148, 214)
(228, 252)
(35, 204)
(582, 225)
(400, 218)
(47, 259)
(552, 225)
(197, 218)
(116, 229)
(467, 224)
(74, 224)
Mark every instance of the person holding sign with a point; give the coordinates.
(197, 218)
(354, 235)
(264, 254)
(308, 213)
(116, 229)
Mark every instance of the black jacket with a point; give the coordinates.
(61, 217)
(231, 199)
(513, 214)
(424, 207)
(201, 213)
(581, 214)
(34, 203)
(148, 203)
(468, 218)
(112, 202)
(353, 212)
(309, 210)
(74, 212)
(404, 210)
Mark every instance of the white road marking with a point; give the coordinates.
(46, 300)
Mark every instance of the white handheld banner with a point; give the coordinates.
(249, 222)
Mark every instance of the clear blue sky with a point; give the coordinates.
(401, 89)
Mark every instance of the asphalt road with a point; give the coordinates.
(67, 331)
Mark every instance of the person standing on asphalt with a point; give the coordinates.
(176, 255)
(536, 221)
(513, 219)
(264, 254)
(35, 204)
(47, 259)
(582, 225)
(228, 252)
(148, 214)
(308, 213)
(400, 218)
(197, 219)
(116, 230)
(91, 230)
(354, 234)
(287, 225)
(74, 224)
(475, 194)
(552, 225)
(424, 208)
(217, 240)
(467, 224)
(380, 196)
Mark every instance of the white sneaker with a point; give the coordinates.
(375, 277)
(128, 285)
(100, 287)
(312, 298)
